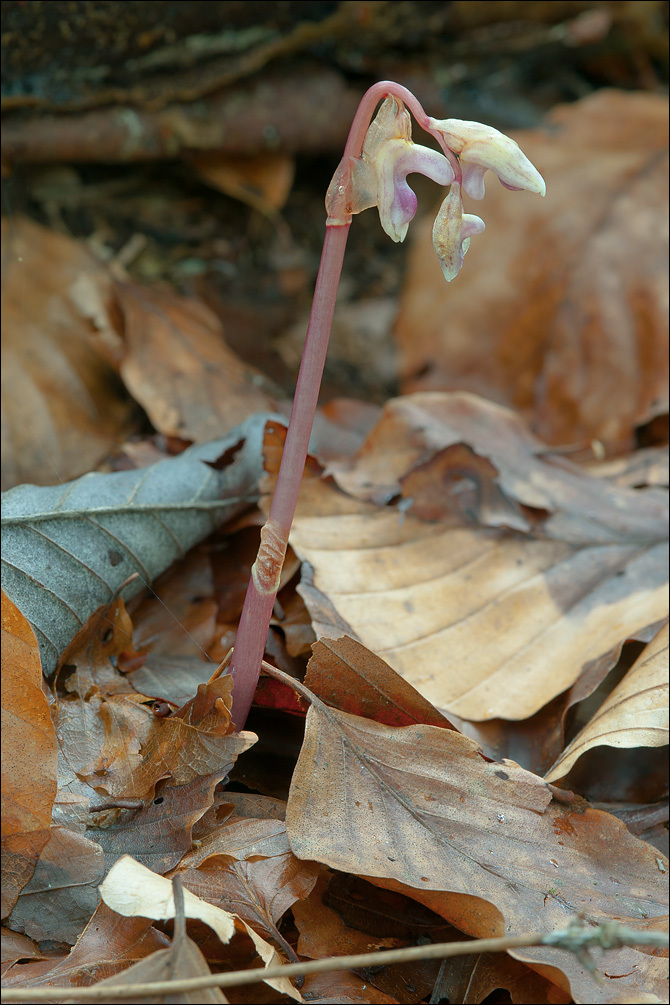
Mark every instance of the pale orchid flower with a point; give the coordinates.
(480, 148)
(379, 178)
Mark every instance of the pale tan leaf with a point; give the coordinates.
(634, 715)
(134, 891)
(485, 624)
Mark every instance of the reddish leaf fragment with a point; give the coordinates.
(348, 676)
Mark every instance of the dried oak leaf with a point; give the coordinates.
(29, 755)
(635, 714)
(562, 310)
(63, 409)
(418, 808)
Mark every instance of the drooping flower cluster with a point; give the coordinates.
(379, 177)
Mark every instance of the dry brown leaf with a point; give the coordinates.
(419, 806)
(323, 932)
(470, 979)
(131, 889)
(180, 962)
(561, 309)
(115, 743)
(62, 893)
(461, 457)
(159, 834)
(348, 676)
(343, 988)
(263, 181)
(484, 623)
(179, 368)
(108, 944)
(634, 715)
(29, 755)
(63, 410)
(17, 947)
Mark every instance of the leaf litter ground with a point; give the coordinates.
(463, 581)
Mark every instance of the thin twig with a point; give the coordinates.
(574, 938)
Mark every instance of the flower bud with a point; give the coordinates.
(452, 231)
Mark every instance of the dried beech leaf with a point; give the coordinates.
(348, 676)
(179, 368)
(67, 549)
(63, 409)
(17, 947)
(562, 311)
(117, 745)
(159, 834)
(262, 181)
(484, 622)
(181, 961)
(109, 944)
(29, 755)
(419, 806)
(323, 932)
(457, 455)
(62, 893)
(634, 715)
(247, 867)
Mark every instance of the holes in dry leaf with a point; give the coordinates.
(109, 635)
(158, 800)
(501, 774)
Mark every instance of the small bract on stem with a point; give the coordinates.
(378, 156)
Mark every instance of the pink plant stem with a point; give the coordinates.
(262, 590)
(264, 582)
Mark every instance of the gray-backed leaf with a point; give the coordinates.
(66, 549)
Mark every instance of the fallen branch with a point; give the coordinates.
(575, 938)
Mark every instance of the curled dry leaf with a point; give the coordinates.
(420, 809)
(63, 409)
(483, 621)
(181, 961)
(247, 867)
(29, 755)
(563, 311)
(134, 891)
(262, 181)
(115, 743)
(634, 715)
